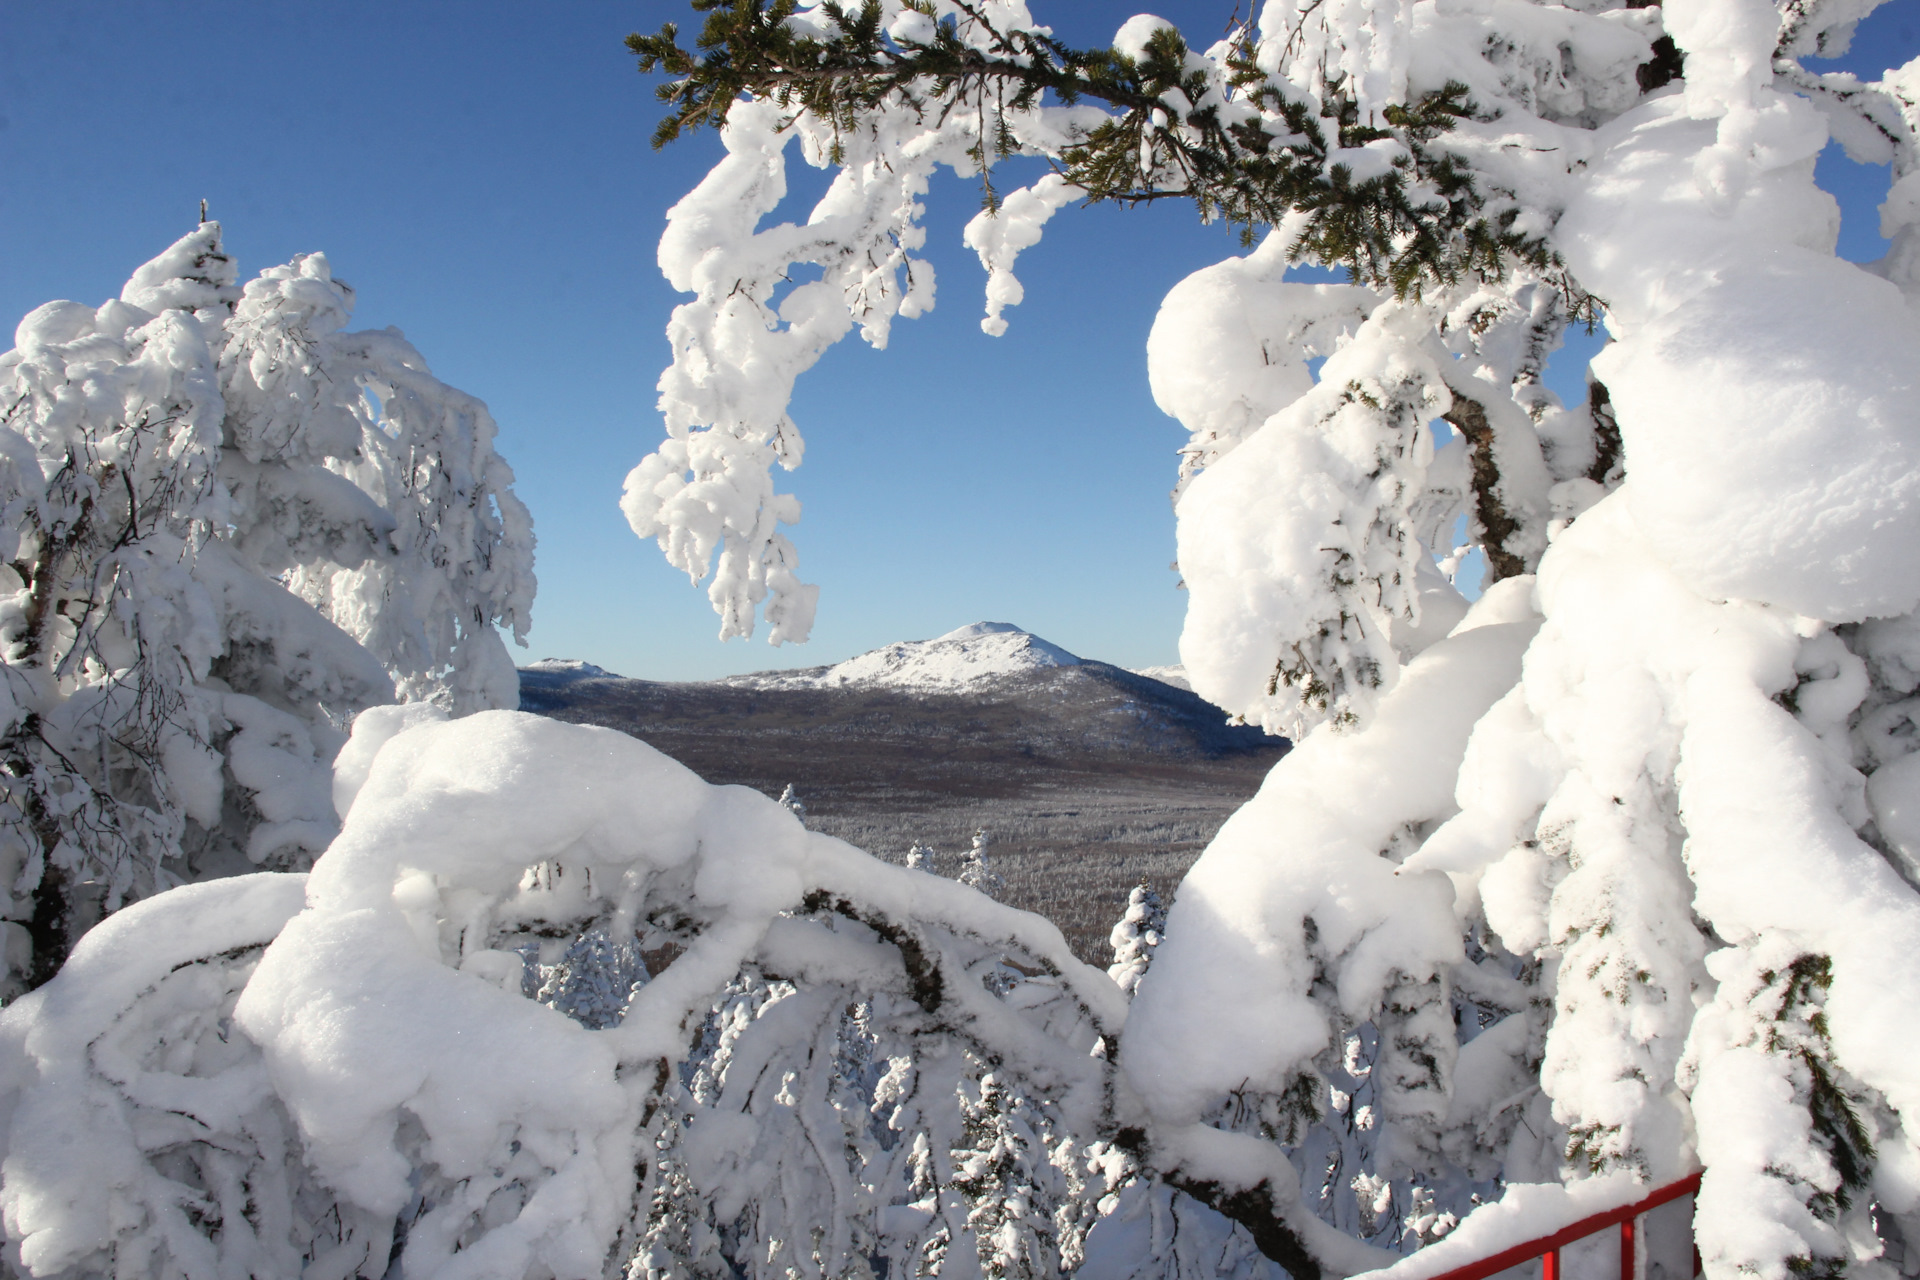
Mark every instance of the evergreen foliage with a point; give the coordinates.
(592, 982)
(1419, 222)
(1485, 927)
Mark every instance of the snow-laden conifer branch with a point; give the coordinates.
(1608, 875)
(707, 495)
(1217, 128)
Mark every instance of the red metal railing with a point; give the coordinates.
(1547, 1248)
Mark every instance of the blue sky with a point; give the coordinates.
(480, 173)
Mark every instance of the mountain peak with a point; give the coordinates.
(974, 630)
(973, 654)
(572, 668)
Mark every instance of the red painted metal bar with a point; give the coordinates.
(1547, 1248)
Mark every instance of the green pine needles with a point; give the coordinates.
(1245, 148)
(1799, 1030)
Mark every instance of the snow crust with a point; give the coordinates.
(1527, 1211)
(1230, 345)
(1809, 428)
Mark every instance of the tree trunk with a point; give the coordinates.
(49, 926)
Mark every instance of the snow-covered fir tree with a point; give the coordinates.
(592, 982)
(229, 526)
(1012, 1188)
(976, 872)
(921, 858)
(1135, 935)
(792, 803)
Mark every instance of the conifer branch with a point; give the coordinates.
(1423, 222)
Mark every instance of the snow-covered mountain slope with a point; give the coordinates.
(1175, 675)
(980, 653)
(1089, 778)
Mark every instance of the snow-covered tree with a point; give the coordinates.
(921, 858)
(792, 803)
(1012, 1186)
(551, 1005)
(228, 527)
(976, 872)
(1140, 929)
(1605, 875)
(593, 980)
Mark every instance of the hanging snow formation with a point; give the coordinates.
(228, 526)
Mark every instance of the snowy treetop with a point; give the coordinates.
(1609, 876)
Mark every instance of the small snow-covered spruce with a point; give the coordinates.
(227, 527)
(921, 858)
(1780, 1013)
(1011, 1186)
(976, 872)
(1134, 937)
(1516, 910)
(806, 1075)
(592, 982)
(792, 803)
(919, 1118)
